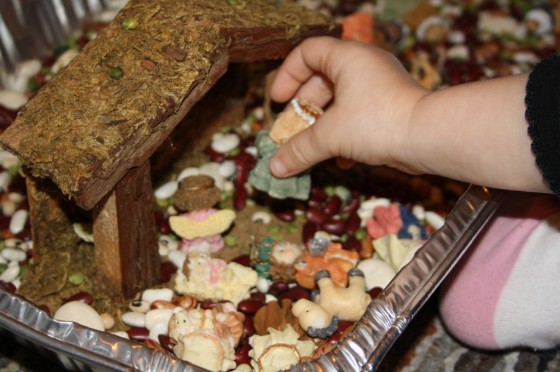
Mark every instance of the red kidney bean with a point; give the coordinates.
(332, 205)
(286, 215)
(244, 260)
(165, 342)
(315, 204)
(352, 244)
(242, 158)
(152, 344)
(164, 226)
(166, 270)
(351, 206)
(241, 174)
(248, 327)
(8, 287)
(213, 155)
(278, 287)
(318, 193)
(45, 308)
(375, 292)
(258, 296)
(352, 223)
(6, 117)
(334, 226)
(138, 334)
(5, 222)
(296, 293)
(240, 198)
(316, 215)
(242, 354)
(18, 185)
(209, 305)
(84, 297)
(249, 307)
(308, 231)
(25, 234)
(341, 330)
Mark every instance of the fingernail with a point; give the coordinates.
(277, 168)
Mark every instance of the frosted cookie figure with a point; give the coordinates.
(202, 225)
(297, 116)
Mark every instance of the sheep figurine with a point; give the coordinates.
(320, 318)
(346, 303)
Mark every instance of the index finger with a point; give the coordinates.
(304, 72)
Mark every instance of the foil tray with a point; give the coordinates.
(80, 348)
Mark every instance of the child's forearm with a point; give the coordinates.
(476, 133)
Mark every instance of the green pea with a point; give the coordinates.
(129, 23)
(230, 241)
(360, 234)
(116, 73)
(76, 278)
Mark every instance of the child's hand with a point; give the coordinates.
(371, 99)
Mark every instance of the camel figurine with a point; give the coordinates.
(320, 317)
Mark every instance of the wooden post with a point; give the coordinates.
(124, 231)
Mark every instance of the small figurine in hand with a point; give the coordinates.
(297, 116)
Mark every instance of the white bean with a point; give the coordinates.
(157, 316)
(187, 172)
(12, 100)
(434, 220)
(166, 190)
(11, 273)
(18, 221)
(80, 312)
(152, 295)
(13, 254)
(134, 319)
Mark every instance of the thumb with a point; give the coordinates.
(300, 153)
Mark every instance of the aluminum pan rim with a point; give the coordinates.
(363, 349)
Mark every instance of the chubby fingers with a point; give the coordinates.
(306, 72)
(302, 151)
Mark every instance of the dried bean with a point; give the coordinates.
(315, 204)
(160, 304)
(244, 260)
(318, 194)
(242, 354)
(165, 342)
(84, 297)
(334, 226)
(8, 287)
(351, 206)
(186, 302)
(352, 223)
(286, 215)
(316, 215)
(296, 293)
(278, 287)
(166, 270)
(153, 344)
(248, 327)
(240, 198)
(308, 231)
(249, 307)
(332, 205)
(375, 292)
(352, 244)
(258, 296)
(242, 171)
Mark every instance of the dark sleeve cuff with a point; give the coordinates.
(542, 113)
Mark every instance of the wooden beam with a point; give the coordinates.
(124, 231)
